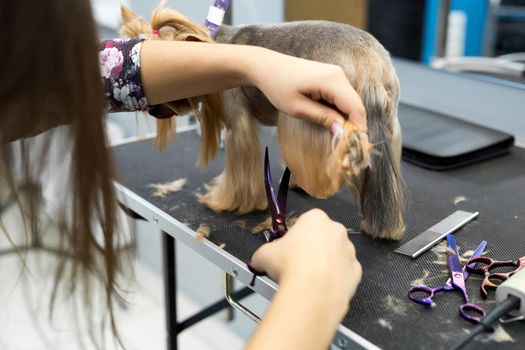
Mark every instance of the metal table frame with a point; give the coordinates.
(174, 231)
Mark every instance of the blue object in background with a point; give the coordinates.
(476, 12)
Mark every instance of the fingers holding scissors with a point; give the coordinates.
(315, 248)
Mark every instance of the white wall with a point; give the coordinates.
(256, 11)
(244, 11)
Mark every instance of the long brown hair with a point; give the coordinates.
(51, 87)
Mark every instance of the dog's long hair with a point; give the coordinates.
(306, 147)
(171, 25)
(318, 165)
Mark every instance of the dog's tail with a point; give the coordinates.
(168, 24)
(381, 189)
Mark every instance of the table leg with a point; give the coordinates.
(170, 289)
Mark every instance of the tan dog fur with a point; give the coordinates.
(317, 166)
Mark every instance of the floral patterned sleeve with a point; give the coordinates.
(120, 72)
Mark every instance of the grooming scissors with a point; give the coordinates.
(458, 275)
(486, 264)
(277, 206)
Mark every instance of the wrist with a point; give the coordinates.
(281, 328)
(320, 292)
(253, 60)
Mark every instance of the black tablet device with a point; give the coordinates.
(437, 141)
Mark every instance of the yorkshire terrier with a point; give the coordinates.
(367, 160)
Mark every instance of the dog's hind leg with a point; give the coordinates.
(240, 187)
(380, 188)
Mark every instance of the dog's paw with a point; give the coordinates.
(391, 233)
(219, 197)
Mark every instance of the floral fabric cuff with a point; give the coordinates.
(120, 72)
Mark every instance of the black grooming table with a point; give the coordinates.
(380, 312)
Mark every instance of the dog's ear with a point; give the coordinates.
(126, 14)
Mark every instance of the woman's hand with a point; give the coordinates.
(318, 273)
(314, 249)
(298, 87)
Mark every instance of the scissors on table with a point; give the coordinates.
(277, 206)
(458, 275)
(486, 264)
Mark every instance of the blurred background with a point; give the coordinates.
(481, 38)
(434, 32)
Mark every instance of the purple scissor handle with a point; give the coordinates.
(447, 287)
(458, 282)
(277, 206)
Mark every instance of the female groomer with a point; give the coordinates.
(51, 94)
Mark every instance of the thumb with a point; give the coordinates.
(264, 259)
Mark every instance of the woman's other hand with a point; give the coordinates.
(306, 89)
